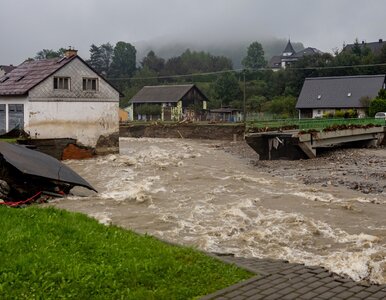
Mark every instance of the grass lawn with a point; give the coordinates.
(9, 140)
(47, 253)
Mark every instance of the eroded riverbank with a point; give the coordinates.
(219, 198)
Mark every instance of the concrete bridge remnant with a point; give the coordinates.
(293, 144)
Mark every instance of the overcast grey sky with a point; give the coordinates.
(27, 26)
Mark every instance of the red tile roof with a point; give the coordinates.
(7, 68)
(29, 74)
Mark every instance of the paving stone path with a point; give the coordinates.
(282, 280)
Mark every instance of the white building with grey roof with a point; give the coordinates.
(322, 95)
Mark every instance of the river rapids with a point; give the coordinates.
(193, 193)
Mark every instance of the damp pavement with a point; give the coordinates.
(278, 279)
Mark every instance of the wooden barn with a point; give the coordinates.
(168, 103)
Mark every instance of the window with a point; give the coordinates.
(15, 116)
(61, 83)
(90, 84)
(3, 126)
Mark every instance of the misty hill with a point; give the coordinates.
(235, 50)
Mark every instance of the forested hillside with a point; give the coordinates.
(215, 73)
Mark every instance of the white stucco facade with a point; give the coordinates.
(73, 112)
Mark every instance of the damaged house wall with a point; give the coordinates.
(61, 99)
(76, 113)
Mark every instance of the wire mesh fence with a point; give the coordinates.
(317, 124)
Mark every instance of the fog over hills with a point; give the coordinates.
(235, 49)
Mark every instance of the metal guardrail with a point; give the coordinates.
(317, 124)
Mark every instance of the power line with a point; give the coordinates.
(178, 76)
(246, 69)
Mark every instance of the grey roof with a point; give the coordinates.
(275, 62)
(307, 51)
(289, 48)
(29, 74)
(339, 92)
(36, 163)
(163, 93)
(375, 47)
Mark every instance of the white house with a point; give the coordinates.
(326, 95)
(59, 98)
(290, 56)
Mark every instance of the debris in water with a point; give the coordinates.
(30, 174)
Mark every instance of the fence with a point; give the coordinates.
(317, 124)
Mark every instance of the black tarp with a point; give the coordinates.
(35, 163)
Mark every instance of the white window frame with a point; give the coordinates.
(62, 83)
(90, 84)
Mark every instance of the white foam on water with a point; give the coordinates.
(363, 264)
(139, 191)
(102, 217)
(317, 196)
(216, 205)
(281, 235)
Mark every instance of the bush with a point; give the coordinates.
(284, 106)
(339, 114)
(149, 109)
(377, 105)
(328, 115)
(346, 114)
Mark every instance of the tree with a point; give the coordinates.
(226, 88)
(101, 58)
(138, 81)
(255, 57)
(378, 104)
(124, 60)
(196, 62)
(49, 53)
(256, 104)
(153, 62)
(365, 103)
(283, 106)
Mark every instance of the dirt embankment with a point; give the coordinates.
(190, 131)
(361, 169)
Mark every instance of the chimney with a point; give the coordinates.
(380, 40)
(70, 52)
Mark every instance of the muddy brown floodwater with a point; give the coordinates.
(218, 197)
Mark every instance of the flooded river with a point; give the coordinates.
(192, 192)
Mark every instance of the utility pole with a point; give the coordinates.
(244, 106)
